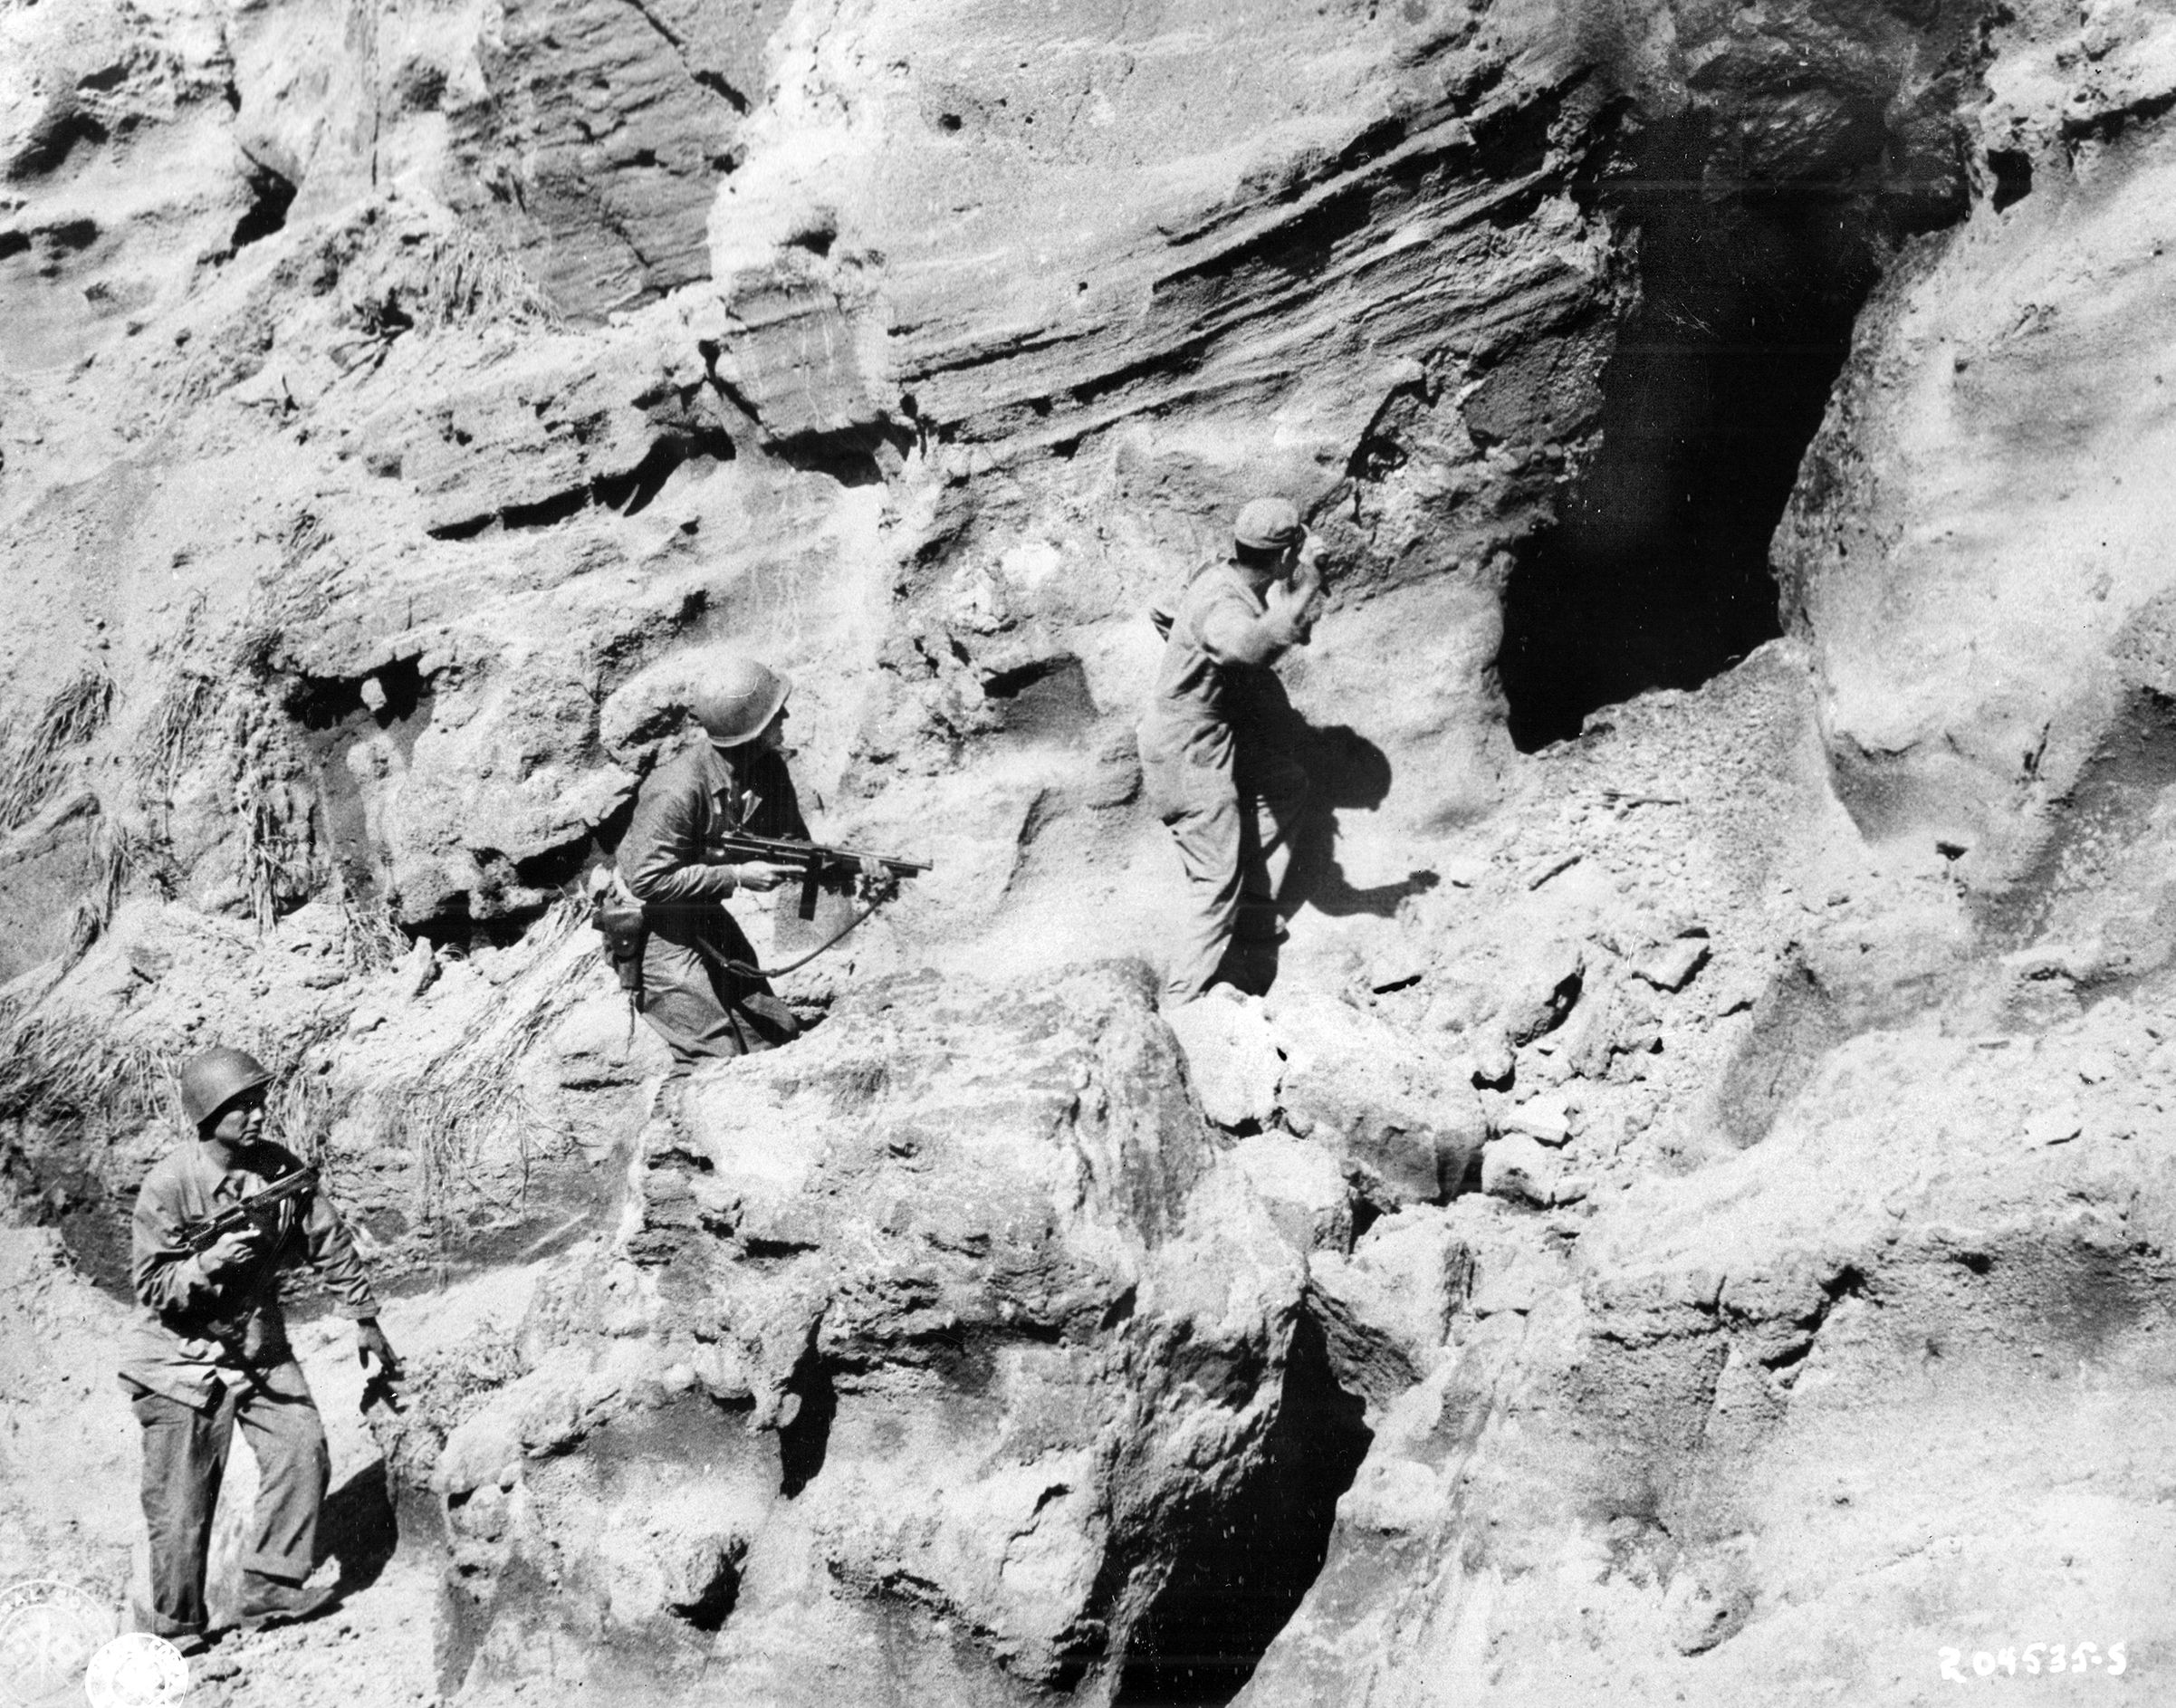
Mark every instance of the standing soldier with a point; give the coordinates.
(1209, 759)
(700, 989)
(209, 1350)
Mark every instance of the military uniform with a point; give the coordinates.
(206, 1352)
(674, 862)
(1214, 771)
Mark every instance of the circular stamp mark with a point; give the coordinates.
(137, 1671)
(49, 1631)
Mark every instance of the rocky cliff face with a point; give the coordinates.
(1685, 1185)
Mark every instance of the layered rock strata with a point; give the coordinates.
(1687, 1221)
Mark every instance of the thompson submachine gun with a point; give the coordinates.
(623, 920)
(201, 1236)
(819, 865)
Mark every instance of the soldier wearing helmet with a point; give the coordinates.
(1212, 768)
(208, 1349)
(671, 861)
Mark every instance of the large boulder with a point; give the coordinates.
(931, 1345)
(1675, 1447)
(1976, 554)
(1398, 1110)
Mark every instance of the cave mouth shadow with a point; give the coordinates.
(1342, 770)
(1245, 1567)
(1656, 574)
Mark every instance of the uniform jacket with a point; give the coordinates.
(673, 858)
(194, 1330)
(1220, 641)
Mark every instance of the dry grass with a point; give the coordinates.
(278, 868)
(301, 1113)
(113, 859)
(456, 277)
(64, 1067)
(467, 1101)
(370, 940)
(467, 277)
(463, 1114)
(67, 1070)
(173, 735)
(35, 760)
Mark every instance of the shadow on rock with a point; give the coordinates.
(1240, 1575)
(1342, 770)
(356, 1524)
(804, 1435)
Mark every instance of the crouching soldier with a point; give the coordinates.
(701, 990)
(209, 1350)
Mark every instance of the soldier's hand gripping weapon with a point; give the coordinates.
(821, 867)
(241, 1216)
(622, 920)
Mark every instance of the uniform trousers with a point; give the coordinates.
(1235, 827)
(701, 1010)
(185, 1460)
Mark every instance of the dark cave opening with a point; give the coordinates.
(1656, 574)
(1242, 1575)
(2011, 170)
(271, 194)
(632, 493)
(319, 703)
(333, 714)
(852, 455)
(804, 1430)
(52, 136)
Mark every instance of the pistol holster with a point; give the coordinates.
(623, 928)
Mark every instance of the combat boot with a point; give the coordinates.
(268, 1601)
(188, 1642)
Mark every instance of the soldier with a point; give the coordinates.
(700, 992)
(209, 1350)
(1213, 767)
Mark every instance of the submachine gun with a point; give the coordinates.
(621, 919)
(241, 1215)
(821, 868)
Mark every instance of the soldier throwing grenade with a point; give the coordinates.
(209, 1350)
(1214, 771)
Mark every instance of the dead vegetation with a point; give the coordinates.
(114, 849)
(301, 1112)
(473, 1128)
(174, 735)
(370, 940)
(279, 867)
(467, 1101)
(36, 760)
(66, 1069)
(466, 277)
(414, 280)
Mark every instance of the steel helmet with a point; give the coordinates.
(738, 698)
(211, 1080)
